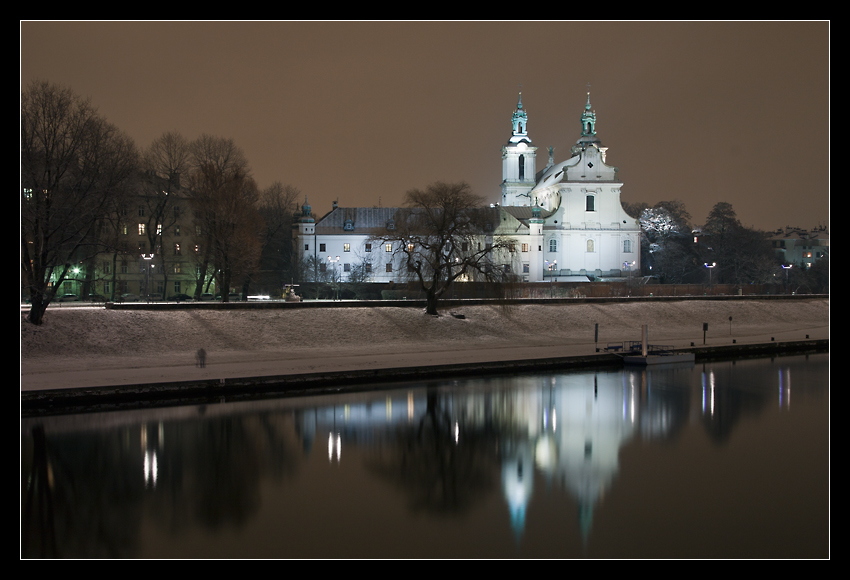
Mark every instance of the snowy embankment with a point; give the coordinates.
(82, 332)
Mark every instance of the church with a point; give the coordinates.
(566, 219)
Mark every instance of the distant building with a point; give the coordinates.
(567, 219)
(799, 246)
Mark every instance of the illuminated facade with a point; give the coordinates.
(566, 219)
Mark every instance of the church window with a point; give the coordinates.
(590, 246)
(553, 245)
(525, 247)
(627, 246)
(522, 167)
(591, 203)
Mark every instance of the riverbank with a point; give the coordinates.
(124, 350)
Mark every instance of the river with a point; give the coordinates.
(720, 460)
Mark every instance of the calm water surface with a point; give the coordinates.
(723, 460)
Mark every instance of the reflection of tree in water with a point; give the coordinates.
(442, 462)
(86, 493)
(212, 471)
(728, 397)
(83, 496)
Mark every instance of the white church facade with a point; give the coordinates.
(567, 220)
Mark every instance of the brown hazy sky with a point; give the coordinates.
(361, 112)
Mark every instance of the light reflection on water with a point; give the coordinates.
(708, 461)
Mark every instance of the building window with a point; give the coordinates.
(521, 167)
(197, 249)
(176, 249)
(306, 247)
(177, 286)
(525, 268)
(464, 247)
(141, 229)
(388, 248)
(106, 288)
(368, 247)
(590, 246)
(141, 211)
(323, 267)
(553, 245)
(321, 247)
(346, 267)
(176, 230)
(176, 267)
(591, 203)
(346, 247)
(368, 267)
(525, 247)
(123, 267)
(409, 247)
(107, 267)
(389, 267)
(197, 230)
(627, 246)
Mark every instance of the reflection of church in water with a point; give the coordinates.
(567, 429)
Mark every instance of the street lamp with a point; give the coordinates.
(713, 264)
(148, 266)
(786, 268)
(333, 262)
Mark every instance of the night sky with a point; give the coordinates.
(360, 112)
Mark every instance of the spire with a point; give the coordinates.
(519, 120)
(588, 120)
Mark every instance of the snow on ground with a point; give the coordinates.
(82, 341)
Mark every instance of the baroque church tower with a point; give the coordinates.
(518, 162)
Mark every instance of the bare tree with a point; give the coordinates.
(223, 196)
(164, 161)
(277, 204)
(444, 234)
(73, 164)
(225, 200)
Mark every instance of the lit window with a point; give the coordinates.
(409, 247)
(525, 247)
(590, 246)
(346, 247)
(388, 248)
(176, 268)
(141, 229)
(176, 249)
